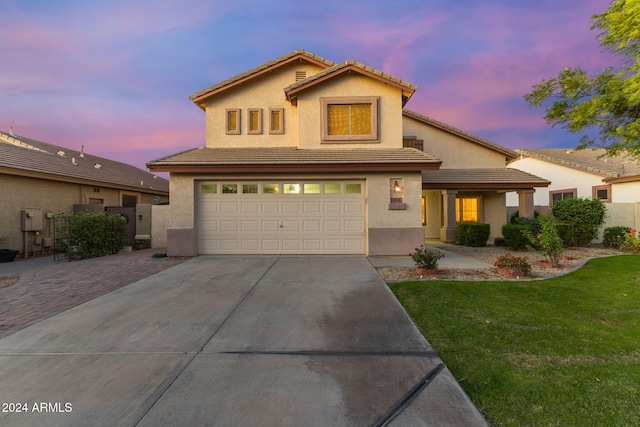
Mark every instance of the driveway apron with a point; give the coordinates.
(229, 341)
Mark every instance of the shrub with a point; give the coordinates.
(565, 231)
(585, 216)
(426, 258)
(614, 236)
(532, 223)
(547, 241)
(519, 265)
(473, 234)
(513, 237)
(630, 243)
(90, 234)
(499, 241)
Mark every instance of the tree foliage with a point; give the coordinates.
(606, 104)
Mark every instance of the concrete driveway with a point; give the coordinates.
(233, 341)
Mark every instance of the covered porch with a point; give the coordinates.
(452, 196)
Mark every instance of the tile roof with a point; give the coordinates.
(18, 154)
(470, 137)
(498, 178)
(299, 53)
(594, 161)
(282, 157)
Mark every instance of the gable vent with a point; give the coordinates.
(301, 75)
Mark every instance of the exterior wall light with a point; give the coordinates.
(396, 191)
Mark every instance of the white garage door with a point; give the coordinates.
(293, 217)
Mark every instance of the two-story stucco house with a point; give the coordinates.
(307, 156)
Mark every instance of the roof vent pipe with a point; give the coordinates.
(82, 151)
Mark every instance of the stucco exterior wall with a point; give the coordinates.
(561, 178)
(263, 92)
(389, 111)
(454, 151)
(160, 215)
(625, 192)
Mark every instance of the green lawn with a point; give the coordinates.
(556, 352)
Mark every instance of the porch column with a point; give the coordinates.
(449, 226)
(525, 203)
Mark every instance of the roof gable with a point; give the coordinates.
(350, 66)
(28, 157)
(200, 97)
(458, 132)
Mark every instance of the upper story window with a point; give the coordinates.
(350, 119)
(276, 120)
(255, 121)
(232, 121)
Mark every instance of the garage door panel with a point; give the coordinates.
(250, 207)
(270, 207)
(229, 207)
(277, 223)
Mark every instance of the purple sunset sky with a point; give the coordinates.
(115, 75)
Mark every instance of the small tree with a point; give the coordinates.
(585, 216)
(547, 242)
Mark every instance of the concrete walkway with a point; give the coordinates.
(233, 341)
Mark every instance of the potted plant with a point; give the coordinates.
(513, 266)
(426, 259)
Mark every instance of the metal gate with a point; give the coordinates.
(129, 214)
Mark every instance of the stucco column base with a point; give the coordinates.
(395, 241)
(525, 203)
(448, 234)
(181, 242)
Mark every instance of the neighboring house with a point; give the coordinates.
(304, 155)
(587, 173)
(38, 180)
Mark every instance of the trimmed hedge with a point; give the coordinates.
(513, 237)
(473, 234)
(90, 234)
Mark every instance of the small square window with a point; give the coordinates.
(276, 121)
(209, 189)
(270, 189)
(250, 188)
(255, 121)
(229, 188)
(353, 188)
(311, 188)
(331, 188)
(291, 188)
(233, 121)
(602, 192)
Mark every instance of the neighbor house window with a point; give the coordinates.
(602, 192)
(255, 121)
(467, 209)
(350, 119)
(276, 121)
(554, 196)
(233, 121)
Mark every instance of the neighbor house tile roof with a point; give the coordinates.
(498, 178)
(469, 137)
(294, 159)
(28, 157)
(594, 161)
